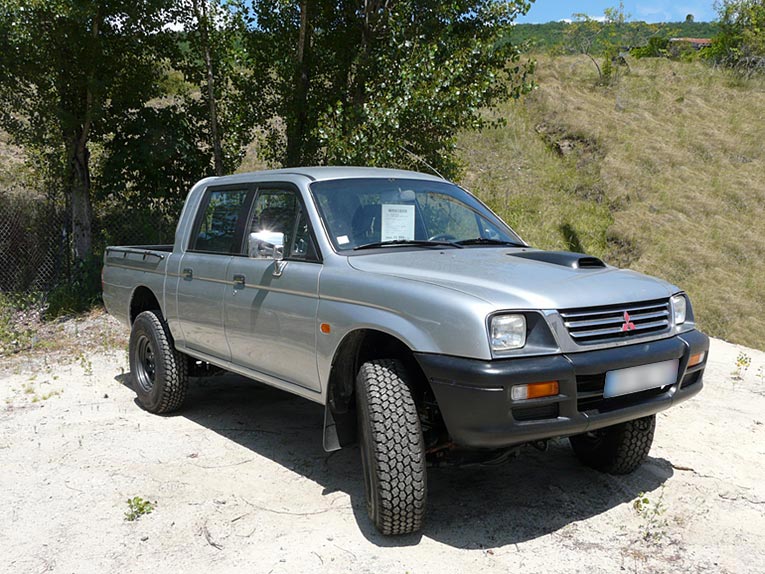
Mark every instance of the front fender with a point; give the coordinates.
(426, 318)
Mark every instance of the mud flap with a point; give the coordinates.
(331, 438)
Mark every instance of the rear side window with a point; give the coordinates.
(220, 225)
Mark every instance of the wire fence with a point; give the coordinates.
(35, 232)
(32, 243)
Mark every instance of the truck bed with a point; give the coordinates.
(129, 266)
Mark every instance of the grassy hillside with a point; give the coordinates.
(552, 35)
(663, 173)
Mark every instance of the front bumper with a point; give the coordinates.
(474, 395)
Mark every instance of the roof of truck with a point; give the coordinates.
(331, 172)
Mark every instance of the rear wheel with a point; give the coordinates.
(392, 448)
(617, 449)
(159, 373)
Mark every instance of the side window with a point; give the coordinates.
(301, 247)
(280, 210)
(217, 230)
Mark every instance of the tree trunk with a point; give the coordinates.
(375, 15)
(79, 168)
(200, 11)
(297, 132)
(79, 186)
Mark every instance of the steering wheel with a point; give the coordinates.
(443, 237)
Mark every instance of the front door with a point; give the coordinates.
(271, 319)
(202, 285)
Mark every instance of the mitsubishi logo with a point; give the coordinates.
(628, 325)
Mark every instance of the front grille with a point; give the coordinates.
(616, 322)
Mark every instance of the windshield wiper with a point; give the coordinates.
(487, 241)
(407, 242)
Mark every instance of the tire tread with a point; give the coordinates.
(397, 447)
(622, 449)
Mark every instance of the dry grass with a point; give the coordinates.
(663, 173)
(61, 341)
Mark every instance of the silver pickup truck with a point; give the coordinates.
(427, 328)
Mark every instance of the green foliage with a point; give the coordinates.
(743, 362)
(138, 507)
(219, 79)
(657, 47)
(551, 37)
(16, 320)
(422, 71)
(652, 512)
(155, 156)
(740, 44)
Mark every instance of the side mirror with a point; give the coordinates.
(266, 245)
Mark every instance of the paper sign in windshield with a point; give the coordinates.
(397, 222)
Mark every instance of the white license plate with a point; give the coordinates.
(640, 378)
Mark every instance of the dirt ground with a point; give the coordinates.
(241, 483)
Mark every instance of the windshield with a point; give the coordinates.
(362, 213)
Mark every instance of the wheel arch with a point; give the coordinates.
(356, 348)
(143, 299)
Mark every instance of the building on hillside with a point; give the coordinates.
(695, 43)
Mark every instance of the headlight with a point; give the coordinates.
(679, 306)
(507, 332)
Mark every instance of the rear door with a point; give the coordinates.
(271, 319)
(202, 284)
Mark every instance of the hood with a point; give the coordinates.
(518, 278)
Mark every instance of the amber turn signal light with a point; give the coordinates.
(534, 390)
(696, 359)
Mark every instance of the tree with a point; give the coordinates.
(689, 19)
(69, 69)
(216, 70)
(591, 37)
(740, 42)
(383, 82)
(152, 160)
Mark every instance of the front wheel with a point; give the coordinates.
(392, 448)
(159, 372)
(618, 449)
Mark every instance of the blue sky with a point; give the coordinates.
(647, 10)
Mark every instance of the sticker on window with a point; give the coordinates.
(343, 239)
(397, 222)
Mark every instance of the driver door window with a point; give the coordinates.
(280, 211)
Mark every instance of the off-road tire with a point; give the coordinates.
(159, 373)
(392, 448)
(617, 449)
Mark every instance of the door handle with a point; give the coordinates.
(188, 274)
(239, 281)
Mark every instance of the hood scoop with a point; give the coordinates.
(563, 258)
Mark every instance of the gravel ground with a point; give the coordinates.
(240, 482)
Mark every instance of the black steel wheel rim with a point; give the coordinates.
(145, 365)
